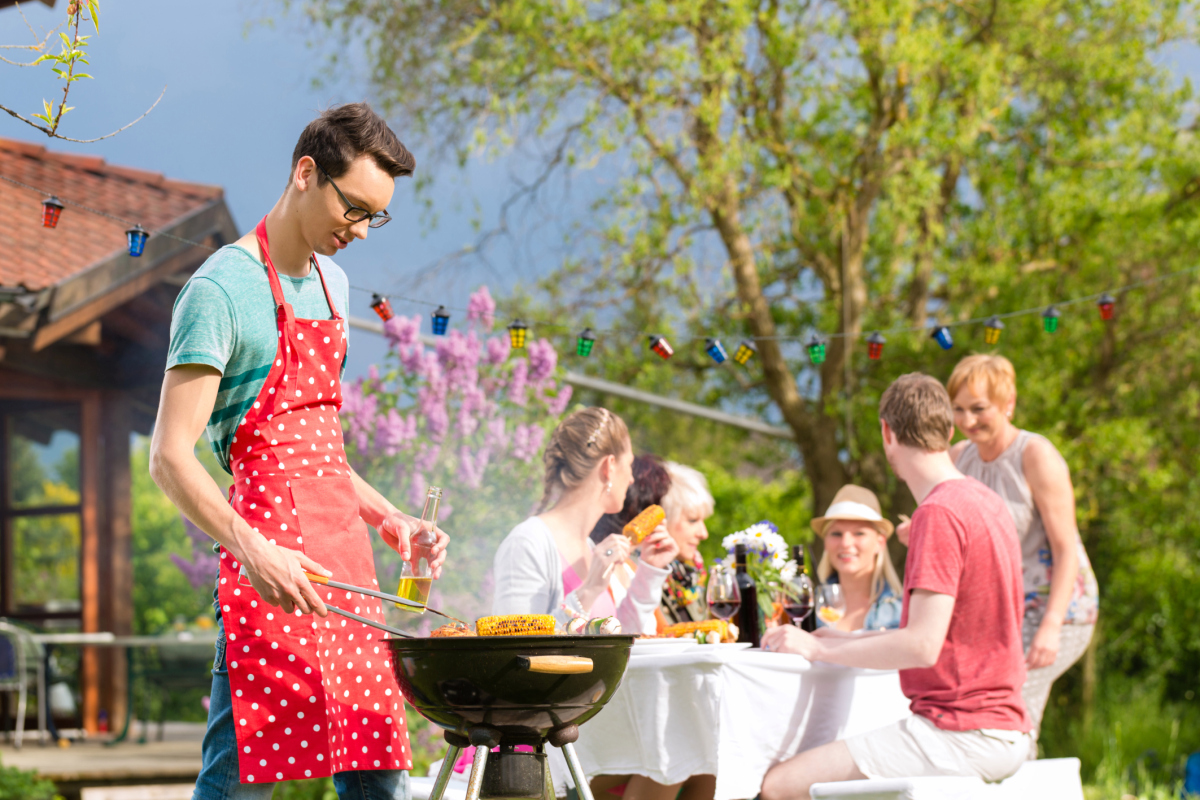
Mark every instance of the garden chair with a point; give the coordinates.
(21, 665)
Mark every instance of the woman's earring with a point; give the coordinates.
(608, 488)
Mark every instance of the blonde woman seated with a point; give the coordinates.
(549, 565)
(856, 557)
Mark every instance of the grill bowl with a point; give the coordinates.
(459, 682)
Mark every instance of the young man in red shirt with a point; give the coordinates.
(959, 645)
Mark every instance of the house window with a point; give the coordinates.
(40, 523)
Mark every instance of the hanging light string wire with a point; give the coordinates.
(1117, 292)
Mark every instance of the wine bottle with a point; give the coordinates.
(748, 613)
(809, 622)
(416, 576)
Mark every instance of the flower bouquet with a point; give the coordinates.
(766, 561)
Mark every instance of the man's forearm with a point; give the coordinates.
(898, 649)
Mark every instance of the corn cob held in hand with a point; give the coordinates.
(644, 523)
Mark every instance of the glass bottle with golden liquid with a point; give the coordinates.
(416, 576)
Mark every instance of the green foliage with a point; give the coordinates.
(64, 62)
(161, 593)
(20, 784)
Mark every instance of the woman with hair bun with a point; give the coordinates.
(549, 565)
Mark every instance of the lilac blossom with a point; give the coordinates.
(495, 438)
(403, 332)
(527, 442)
(542, 360)
(201, 569)
(394, 432)
(458, 356)
(558, 404)
(498, 348)
(472, 467)
(519, 382)
(481, 308)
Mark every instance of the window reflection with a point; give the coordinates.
(40, 511)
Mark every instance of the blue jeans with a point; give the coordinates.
(219, 774)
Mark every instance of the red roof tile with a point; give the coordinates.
(37, 257)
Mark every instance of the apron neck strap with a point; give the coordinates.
(273, 274)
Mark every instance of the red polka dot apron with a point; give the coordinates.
(311, 696)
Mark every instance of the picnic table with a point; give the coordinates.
(729, 711)
(179, 664)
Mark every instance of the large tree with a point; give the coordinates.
(833, 150)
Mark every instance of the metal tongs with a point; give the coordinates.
(349, 587)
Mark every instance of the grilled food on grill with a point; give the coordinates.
(644, 523)
(452, 629)
(703, 627)
(516, 625)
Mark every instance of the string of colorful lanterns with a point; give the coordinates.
(137, 237)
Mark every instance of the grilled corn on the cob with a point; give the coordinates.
(719, 626)
(516, 625)
(644, 523)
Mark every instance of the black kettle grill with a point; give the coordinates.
(505, 691)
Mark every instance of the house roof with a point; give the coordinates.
(37, 258)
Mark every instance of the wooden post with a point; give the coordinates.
(116, 555)
(91, 467)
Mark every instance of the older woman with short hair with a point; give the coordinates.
(687, 504)
(1029, 474)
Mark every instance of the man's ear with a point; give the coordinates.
(889, 438)
(304, 176)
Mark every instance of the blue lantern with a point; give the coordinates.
(441, 318)
(943, 337)
(715, 349)
(137, 236)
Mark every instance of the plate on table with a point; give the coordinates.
(658, 646)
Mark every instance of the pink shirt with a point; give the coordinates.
(604, 605)
(963, 543)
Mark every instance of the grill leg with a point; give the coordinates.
(443, 776)
(581, 782)
(475, 784)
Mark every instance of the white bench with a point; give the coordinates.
(1047, 779)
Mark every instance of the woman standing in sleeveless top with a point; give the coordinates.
(1033, 479)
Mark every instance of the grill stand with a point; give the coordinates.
(483, 739)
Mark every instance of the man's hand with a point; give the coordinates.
(790, 639)
(277, 574)
(659, 549)
(902, 529)
(1044, 647)
(398, 528)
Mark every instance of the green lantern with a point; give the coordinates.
(1050, 319)
(585, 343)
(816, 350)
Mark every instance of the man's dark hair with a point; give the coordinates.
(343, 133)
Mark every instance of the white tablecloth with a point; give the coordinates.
(718, 710)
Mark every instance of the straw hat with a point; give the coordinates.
(854, 503)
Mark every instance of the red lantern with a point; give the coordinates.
(875, 343)
(51, 210)
(1107, 304)
(382, 307)
(660, 345)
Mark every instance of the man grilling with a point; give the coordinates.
(258, 348)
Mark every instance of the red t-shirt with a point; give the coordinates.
(963, 543)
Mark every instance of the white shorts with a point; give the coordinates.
(915, 747)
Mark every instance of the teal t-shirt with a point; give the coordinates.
(225, 318)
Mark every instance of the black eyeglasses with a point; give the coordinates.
(353, 212)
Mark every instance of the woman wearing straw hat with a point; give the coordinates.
(856, 556)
